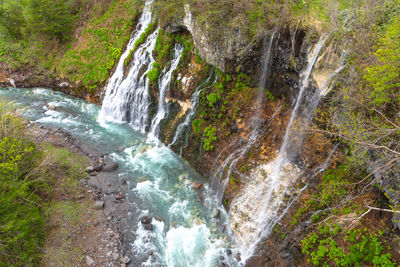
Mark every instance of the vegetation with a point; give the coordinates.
(364, 247)
(209, 138)
(154, 72)
(29, 177)
(89, 59)
(79, 40)
(142, 38)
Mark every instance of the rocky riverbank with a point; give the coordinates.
(95, 235)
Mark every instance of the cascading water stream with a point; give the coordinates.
(187, 227)
(184, 127)
(164, 85)
(255, 212)
(127, 99)
(118, 74)
(223, 173)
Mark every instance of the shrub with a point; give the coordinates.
(209, 138)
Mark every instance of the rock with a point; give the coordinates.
(90, 261)
(83, 182)
(238, 257)
(142, 179)
(98, 205)
(215, 213)
(89, 169)
(93, 173)
(234, 128)
(228, 252)
(288, 167)
(51, 107)
(123, 182)
(115, 256)
(119, 196)
(146, 219)
(126, 260)
(109, 167)
(197, 185)
(98, 167)
(64, 85)
(148, 227)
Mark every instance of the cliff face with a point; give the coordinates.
(227, 49)
(217, 111)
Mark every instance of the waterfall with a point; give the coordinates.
(164, 85)
(255, 212)
(219, 180)
(183, 129)
(127, 99)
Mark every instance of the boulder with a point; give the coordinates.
(119, 196)
(234, 128)
(146, 219)
(89, 169)
(98, 167)
(126, 260)
(197, 185)
(109, 167)
(148, 227)
(98, 205)
(51, 107)
(90, 261)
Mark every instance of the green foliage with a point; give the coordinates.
(27, 176)
(103, 38)
(52, 17)
(163, 46)
(187, 41)
(197, 124)
(365, 247)
(209, 137)
(142, 38)
(198, 59)
(212, 99)
(153, 73)
(270, 96)
(384, 77)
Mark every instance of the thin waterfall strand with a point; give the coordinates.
(164, 85)
(184, 127)
(254, 213)
(220, 181)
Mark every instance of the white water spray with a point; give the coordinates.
(224, 172)
(254, 213)
(127, 99)
(182, 129)
(164, 85)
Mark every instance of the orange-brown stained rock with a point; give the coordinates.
(197, 185)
